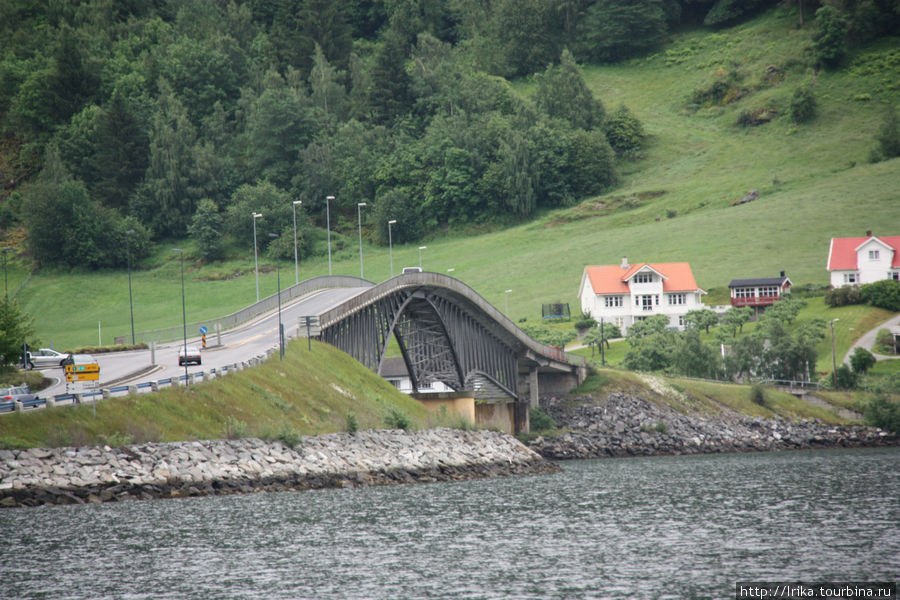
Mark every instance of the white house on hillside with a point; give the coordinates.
(623, 294)
(859, 260)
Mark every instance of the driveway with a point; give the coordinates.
(867, 341)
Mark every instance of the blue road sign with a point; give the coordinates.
(203, 330)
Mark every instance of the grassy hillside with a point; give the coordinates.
(674, 205)
(306, 393)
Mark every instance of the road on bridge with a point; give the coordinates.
(237, 345)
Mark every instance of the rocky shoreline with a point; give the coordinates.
(627, 425)
(171, 470)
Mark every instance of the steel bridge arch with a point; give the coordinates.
(446, 331)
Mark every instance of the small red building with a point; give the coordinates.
(763, 291)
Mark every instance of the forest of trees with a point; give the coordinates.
(158, 119)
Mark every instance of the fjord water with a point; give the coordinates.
(656, 527)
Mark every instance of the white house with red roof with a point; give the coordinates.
(859, 260)
(622, 294)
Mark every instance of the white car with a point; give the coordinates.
(45, 358)
(192, 355)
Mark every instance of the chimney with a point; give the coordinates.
(782, 274)
(868, 233)
(624, 262)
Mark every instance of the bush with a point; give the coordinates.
(883, 294)
(845, 378)
(882, 412)
(758, 395)
(397, 419)
(289, 437)
(235, 429)
(803, 104)
(862, 360)
(843, 296)
(540, 420)
(884, 342)
(352, 423)
(624, 131)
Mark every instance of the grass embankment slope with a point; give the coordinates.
(704, 398)
(306, 393)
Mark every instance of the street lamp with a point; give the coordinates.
(274, 236)
(328, 200)
(359, 206)
(296, 263)
(130, 301)
(420, 254)
(184, 312)
(391, 244)
(5, 280)
(507, 302)
(833, 361)
(256, 215)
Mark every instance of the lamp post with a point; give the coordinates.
(184, 313)
(420, 254)
(328, 200)
(274, 236)
(5, 280)
(296, 262)
(507, 302)
(391, 244)
(833, 360)
(256, 215)
(130, 301)
(359, 206)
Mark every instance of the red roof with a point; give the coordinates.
(842, 253)
(613, 279)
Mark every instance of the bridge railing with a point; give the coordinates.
(94, 395)
(235, 319)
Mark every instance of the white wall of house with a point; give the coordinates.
(643, 300)
(873, 263)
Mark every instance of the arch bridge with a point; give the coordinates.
(448, 333)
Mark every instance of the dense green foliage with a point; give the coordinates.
(883, 294)
(882, 412)
(16, 329)
(153, 107)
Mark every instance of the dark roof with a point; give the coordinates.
(758, 281)
(394, 366)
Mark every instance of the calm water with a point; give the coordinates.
(663, 527)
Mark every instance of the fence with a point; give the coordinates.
(171, 334)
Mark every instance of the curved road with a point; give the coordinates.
(248, 340)
(867, 340)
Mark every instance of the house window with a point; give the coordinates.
(647, 302)
(851, 278)
(620, 322)
(681, 320)
(895, 275)
(612, 301)
(743, 292)
(768, 291)
(677, 299)
(643, 278)
(873, 254)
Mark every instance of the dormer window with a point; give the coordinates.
(643, 278)
(873, 254)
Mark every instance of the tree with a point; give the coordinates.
(693, 358)
(845, 379)
(862, 360)
(735, 317)
(206, 229)
(597, 335)
(618, 29)
(829, 39)
(562, 93)
(803, 104)
(701, 317)
(624, 131)
(889, 135)
(16, 328)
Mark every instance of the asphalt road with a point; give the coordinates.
(245, 342)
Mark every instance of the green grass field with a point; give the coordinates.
(814, 182)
